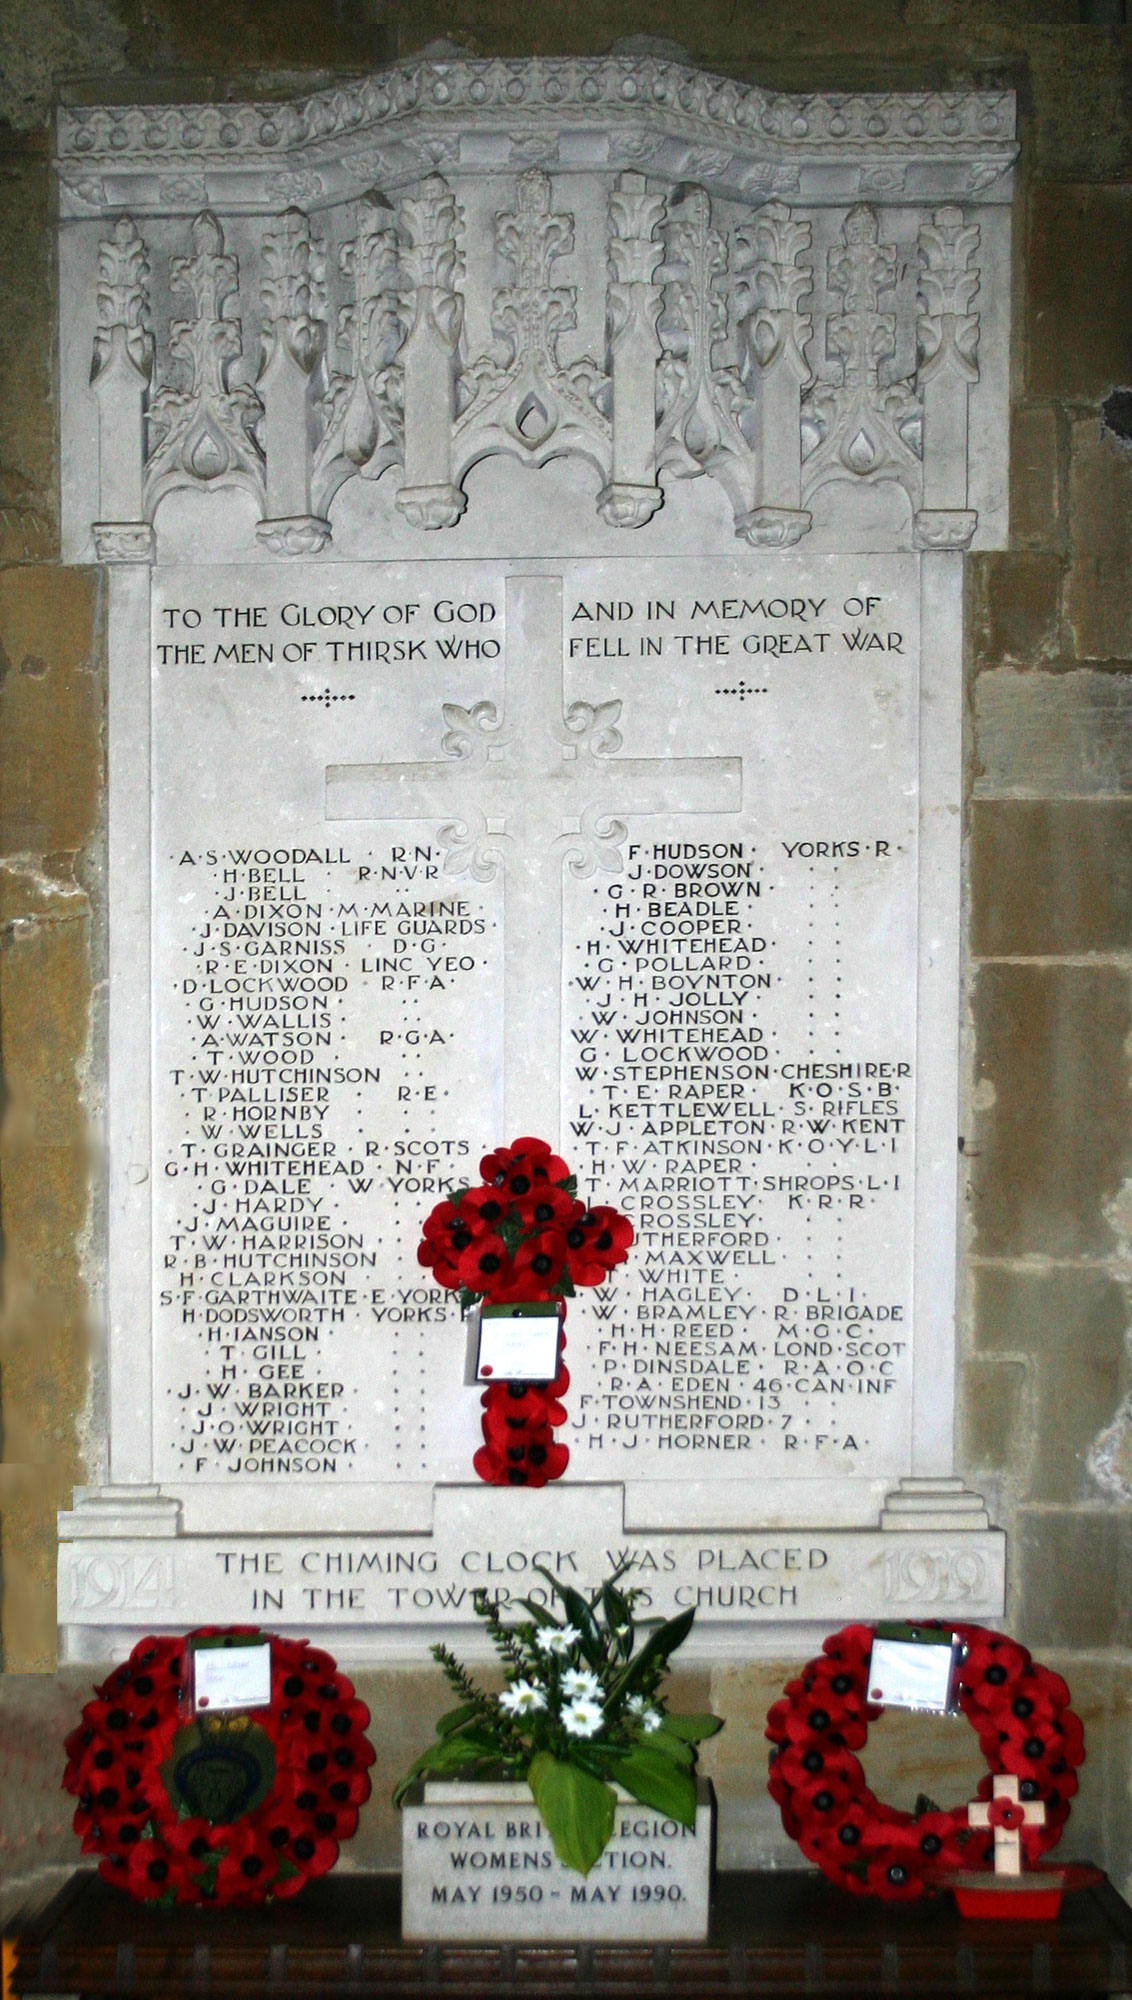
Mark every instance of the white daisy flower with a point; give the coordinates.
(651, 1719)
(578, 1684)
(557, 1639)
(522, 1699)
(636, 1704)
(582, 1718)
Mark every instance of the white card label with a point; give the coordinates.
(227, 1677)
(514, 1344)
(904, 1674)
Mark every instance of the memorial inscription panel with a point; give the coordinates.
(711, 961)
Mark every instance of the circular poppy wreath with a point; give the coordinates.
(223, 1808)
(1025, 1726)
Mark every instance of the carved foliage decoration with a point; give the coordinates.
(774, 276)
(857, 427)
(709, 344)
(292, 291)
(633, 299)
(948, 330)
(523, 398)
(203, 432)
(123, 301)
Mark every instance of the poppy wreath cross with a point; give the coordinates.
(1020, 1712)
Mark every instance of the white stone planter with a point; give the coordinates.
(477, 1863)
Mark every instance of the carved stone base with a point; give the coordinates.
(919, 1506)
(774, 527)
(624, 506)
(102, 1513)
(944, 527)
(294, 535)
(124, 541)
(431, 506)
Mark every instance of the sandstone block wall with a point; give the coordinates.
(1046, 1386)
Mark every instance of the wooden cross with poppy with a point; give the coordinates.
(1007, 1814)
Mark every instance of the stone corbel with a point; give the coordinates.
(429, 497)
(632, 496)
(121, 370)
(772, 281)
(948, 337)
(292, 343)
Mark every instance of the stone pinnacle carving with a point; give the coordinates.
(523, 399)
(430, 497)
(633, 307)
(703, 408)
(364, 403)
(774, 276)
(292, 341)
(121, 369)
(948, 333)
(859, 427)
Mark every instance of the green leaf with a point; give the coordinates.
(538, 1612)
(618, 1611)
(655, 1652)
(461, 1751)
(671, 1746)
(693, 1728)
(456, 1718)
(579, 1614)
(655, 1780)
(577, 1809)
(924, 1804)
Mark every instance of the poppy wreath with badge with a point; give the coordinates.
(1020, 1712)
(221, 1808)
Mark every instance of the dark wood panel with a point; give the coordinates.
(772, 1934)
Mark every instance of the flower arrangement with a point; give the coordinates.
(580, 1713)
(218, 1809)
(522, 1236)
(1020, 1711)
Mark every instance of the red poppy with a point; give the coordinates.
(248, 1865)
(485, 1266)
(991, 1663)
(839, 1840)
(853, 1646)
(801, 1763)
(547, 1207)
(484, 1208)
(523, 1164)
(892, 1876)
(434, 1260)
(151, 1871)
(539, 1262)
(590, 1246)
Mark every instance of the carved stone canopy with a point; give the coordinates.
(664, 274)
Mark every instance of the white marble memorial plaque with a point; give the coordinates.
(611, 796)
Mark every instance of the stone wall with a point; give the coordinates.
(1045, 1395)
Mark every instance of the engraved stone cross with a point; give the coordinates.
(532, 788)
